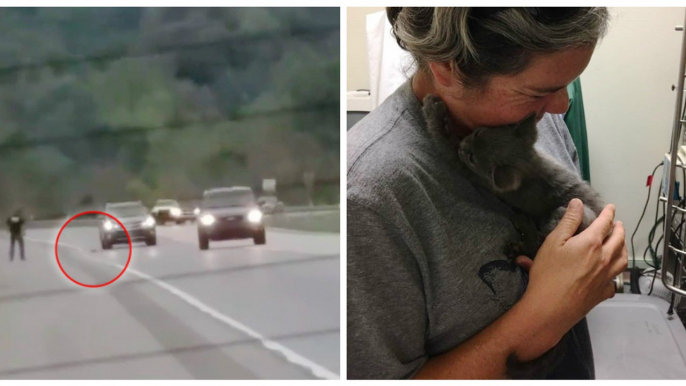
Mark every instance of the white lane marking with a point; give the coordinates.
(290, 355)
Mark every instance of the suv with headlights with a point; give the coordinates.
(229, 213)
(135, 218)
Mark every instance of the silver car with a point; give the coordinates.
(135, 218)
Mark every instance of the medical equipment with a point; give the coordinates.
(673, 265)
(632, 339)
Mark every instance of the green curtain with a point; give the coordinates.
(576, 122)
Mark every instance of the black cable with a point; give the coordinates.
(657, 246)
(654, 251)
(635, 272)
(658, 262)
(677, 259)
(652, 283)
(681, 224)
(683, 181)
(633, 252)
(646, 261)
(648, 271)
(651, 237)
(659, 193)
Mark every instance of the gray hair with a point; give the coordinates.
(486, 41)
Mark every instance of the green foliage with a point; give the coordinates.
(107, 104)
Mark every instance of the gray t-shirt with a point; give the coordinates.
(426, 262)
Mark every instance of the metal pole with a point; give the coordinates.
(669, 208)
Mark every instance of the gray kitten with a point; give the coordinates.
(503, 160)
(532, 182)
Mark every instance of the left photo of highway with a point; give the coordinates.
(169, 193)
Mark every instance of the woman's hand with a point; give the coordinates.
(572, 274)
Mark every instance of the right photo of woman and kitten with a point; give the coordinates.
(501, 223)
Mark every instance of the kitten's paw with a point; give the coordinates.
(555, 218)
(434, 107)
(528, 232)
(514, 249)
(435, 113)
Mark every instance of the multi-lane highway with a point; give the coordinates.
(237, 311)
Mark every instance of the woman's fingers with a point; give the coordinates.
(603, 224)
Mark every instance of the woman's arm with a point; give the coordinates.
(484, 355)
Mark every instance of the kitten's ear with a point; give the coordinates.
(526, 128)
(505, 178)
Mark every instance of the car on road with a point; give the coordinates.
(135, 218)
(229, 213)
(169, 210)
(270, 204)
(188, 213)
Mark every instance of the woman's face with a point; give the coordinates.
(540, 89)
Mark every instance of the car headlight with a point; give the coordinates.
(207, 220)
(196, 211)
(176, 212)
(149, 222)
(108, 225)
(255, 216)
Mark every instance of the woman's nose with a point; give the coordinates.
(559, 102)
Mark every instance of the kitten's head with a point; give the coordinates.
(503, 155)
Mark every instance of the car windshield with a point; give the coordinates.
(229, 198)
(167, 203)
(128, 211)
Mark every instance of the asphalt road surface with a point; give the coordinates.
(237, 311)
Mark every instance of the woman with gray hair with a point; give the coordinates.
(420, 304)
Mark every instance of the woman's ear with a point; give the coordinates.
(443, 73)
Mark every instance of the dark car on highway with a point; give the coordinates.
(135, 217)
(229, 213)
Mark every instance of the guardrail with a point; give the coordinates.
(316, 208)
(58, 223)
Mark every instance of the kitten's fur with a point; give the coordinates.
(503, 159)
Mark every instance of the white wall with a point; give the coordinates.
(628, 101)
(358, 69)
(629, 108)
